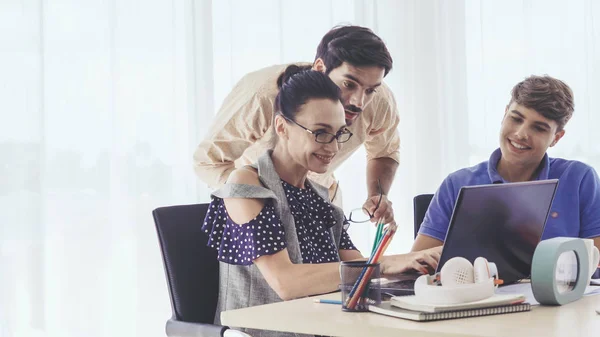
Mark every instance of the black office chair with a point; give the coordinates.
(420, 204)
(192, 272)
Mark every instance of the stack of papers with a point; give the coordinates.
(413, 303)
(525, 289)
(409, 307)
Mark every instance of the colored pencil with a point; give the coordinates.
(328, 301)
(369, 261)
(361, 284)
(365, 278)
(378, 234)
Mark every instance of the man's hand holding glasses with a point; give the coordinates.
(375, 208)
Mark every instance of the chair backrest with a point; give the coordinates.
(191, 268)
(420, 204)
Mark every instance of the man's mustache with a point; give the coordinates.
(354, 109)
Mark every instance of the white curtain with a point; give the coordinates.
(102, 105)
(103, 102)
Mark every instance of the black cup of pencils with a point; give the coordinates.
(360, 285)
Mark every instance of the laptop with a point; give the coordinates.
(501, 222)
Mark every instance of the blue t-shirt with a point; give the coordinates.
(575, 211)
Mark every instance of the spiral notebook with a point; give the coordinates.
(413, 303)
(385, 308)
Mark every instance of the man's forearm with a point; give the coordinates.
(383, 169)
(210, 170)
(214, 176)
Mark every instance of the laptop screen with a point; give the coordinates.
(501, 222)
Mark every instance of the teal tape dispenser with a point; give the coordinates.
(559, 270)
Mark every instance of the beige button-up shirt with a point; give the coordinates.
(241, 130)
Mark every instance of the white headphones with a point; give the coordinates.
(459, 281)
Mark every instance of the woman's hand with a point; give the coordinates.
(396, 264)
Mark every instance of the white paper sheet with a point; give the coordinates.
(525, 289)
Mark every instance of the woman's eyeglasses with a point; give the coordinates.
(324, 137)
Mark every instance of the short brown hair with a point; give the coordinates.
(547, 95)
(356, 45)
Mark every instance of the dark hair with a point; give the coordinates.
(356, 45)
(299, 84)
(547, 95)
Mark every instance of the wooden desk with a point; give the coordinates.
(304, 316)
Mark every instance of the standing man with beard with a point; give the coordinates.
(356, 60)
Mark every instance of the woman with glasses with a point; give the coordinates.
(277, 235)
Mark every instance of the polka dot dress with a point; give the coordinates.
(240, 244)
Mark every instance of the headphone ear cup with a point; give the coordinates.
(457, 270)
(481, 270)
(426, 291)
(423, 280)
(493, 270)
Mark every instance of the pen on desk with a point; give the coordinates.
(328, 301)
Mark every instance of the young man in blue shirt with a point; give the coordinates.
(533, 121)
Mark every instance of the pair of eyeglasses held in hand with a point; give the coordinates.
(362, 215)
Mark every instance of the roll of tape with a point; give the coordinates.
(559, 270)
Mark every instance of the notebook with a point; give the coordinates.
(385, 308)
(412, 303)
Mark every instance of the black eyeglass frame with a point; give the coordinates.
(318, 133)
(349, 220)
